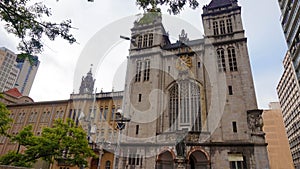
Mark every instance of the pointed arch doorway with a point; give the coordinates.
(165, 161)
(198, 160)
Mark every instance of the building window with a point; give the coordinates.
(105, 113)
(137, 129)
(107, 165)
(230, 90)
(147, 70)
(138, 71)
(234, 127)
(221, 60)
(229, 26)
(216, 28)
(145, 41)
(199, 64)
(140, 98)
(222, 27)
(150, 39)
(232, 59)
(236, 161)
(140, 39)
(184, 106)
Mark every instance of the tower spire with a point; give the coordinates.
(87, 83)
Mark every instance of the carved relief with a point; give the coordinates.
(255, 121)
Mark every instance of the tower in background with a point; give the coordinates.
(27, 72)
(87, 83)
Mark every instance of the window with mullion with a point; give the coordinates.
(221, 60)
(222, 27)
(147, 70)
(216, 28)
(232, 59)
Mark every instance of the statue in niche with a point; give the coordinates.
(255, 122)
(180, 148)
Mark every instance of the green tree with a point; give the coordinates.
(5, 120)
(28, 23)
(64, 141)
(174, 6)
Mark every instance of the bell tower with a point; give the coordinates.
(87, 83)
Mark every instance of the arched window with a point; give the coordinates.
(221, 60)
(147, 70)
(232, 59)
(216, 28)
(107, 165)
(150, 39)
(145, 41)
(185, 106)
(138, 71)
(229, 26)
(222, 27)
(140, 39)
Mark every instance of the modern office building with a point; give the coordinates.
(290, 10)
(289, 97)
(288, 88)
(191, 103)
(8, 70)
(278, 146)
(27, 71)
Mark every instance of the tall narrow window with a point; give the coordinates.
(230, 90)
(185, 106)
(107, 165)
(150, 39)
(232, 59)
(140, 98)
(145, 41)
(216, 28)
(137, 129)
(234, 127)
(229, 26)
(138, 71)
(140, 40)
(221, 60)
(222, 27)
(105, 113)
(147, 70)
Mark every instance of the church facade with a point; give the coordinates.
(191, 103)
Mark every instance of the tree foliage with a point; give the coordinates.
(64, 141)
(174, 6)
(27, 22)
(5, 120)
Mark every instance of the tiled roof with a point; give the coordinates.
(14, 92)
(219, 3)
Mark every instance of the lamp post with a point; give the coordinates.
(120, 120)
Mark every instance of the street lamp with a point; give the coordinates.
(120, 120)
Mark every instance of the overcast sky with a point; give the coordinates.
(59, 73)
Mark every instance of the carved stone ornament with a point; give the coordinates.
(255, 121)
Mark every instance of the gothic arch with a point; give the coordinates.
(165, 160)
(185, 105)
(198, 159)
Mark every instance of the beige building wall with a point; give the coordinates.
(278, 147)
(8, 71)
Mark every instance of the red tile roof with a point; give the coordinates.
(14, 92)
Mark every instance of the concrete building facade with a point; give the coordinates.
(191, 103)
(278, 146)
(288, 88)
(8, 70)
(27, 72)
(289, 96)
